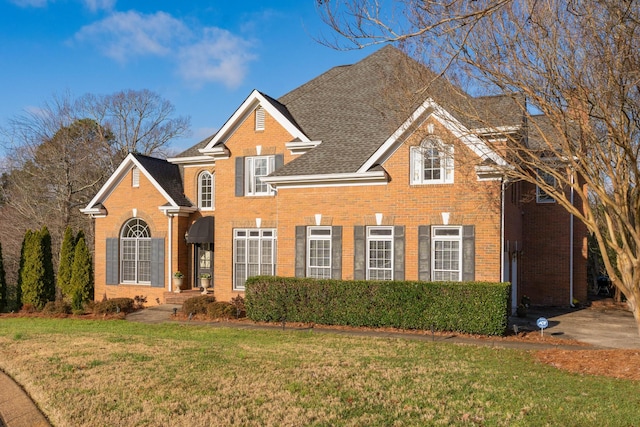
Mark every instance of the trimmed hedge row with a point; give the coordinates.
(471, 307)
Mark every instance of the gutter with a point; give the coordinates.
(571, 220)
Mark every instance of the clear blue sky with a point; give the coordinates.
(203, 56)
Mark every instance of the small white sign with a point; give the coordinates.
(542, 323)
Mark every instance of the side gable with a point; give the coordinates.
(164, 176)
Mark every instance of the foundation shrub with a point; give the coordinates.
(57, 307)
(221, 310)
(198, 305)
(114, 305)
(471, 307)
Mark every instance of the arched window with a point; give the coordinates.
(432, 162)
(205, 190)
(135, 252)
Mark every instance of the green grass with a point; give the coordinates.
(99, 373)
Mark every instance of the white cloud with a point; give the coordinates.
(218, 57)
(124, 35)
(212, 55)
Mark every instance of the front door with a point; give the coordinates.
(204, 264)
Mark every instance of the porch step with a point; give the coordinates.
(174, 298)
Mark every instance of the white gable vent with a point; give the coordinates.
(135, 177)
(259, 118)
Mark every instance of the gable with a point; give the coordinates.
(163, 177)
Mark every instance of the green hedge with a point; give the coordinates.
(471, 307)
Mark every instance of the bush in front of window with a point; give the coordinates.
(470, 307)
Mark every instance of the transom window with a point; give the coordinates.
(135, 252)
(255, 169)
(432, 162)
(205, 190)
(319, 250)
(541, 195)
(254, 254)
(447, 254)
(380, 253)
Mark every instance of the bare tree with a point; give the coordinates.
(140, 121)
(576, 62)
(60, 155)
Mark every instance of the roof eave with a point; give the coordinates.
(328, 180)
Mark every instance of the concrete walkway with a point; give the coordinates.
(600, 327)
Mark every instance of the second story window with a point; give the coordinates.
(205, 190)
(432, 162)
(541, 195)
(255, 169)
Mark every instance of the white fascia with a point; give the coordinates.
(328, 180)
(95, 212)
(498, 130)
(240, 115)
(179, 211)
(448, 121)
(301, 147)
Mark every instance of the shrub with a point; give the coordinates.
(472, 307)
(197, 305)
(3, 285)
(57, 307)
(36, 269)
(221, 310)
(114, 305)
(65, 264)
(239, 307)
(81, 280)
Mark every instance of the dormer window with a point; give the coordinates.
(432, 162)
(259, 118)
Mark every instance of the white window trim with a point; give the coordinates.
(200, 199)
(260, 234)
(249, 182)
(315, 237)
(448, 238)
(137, 253)
(371, 236)
(446, 154)
(541, 195)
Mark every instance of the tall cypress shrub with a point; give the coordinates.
(23, 250)
(82, 275)
(3, 285)
(66, 263)
(37, 279)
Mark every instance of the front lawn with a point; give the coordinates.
(112, 373)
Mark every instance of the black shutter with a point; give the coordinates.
(424, 253)
(239, 176)
(336, 252)
(359, 252)
(113, 261)
(157, 263)
(398, 252)
(301, 251)
(468, 253)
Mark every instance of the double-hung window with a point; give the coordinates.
(255, 169)
(379, 253)
(541, 195)
(319, 250)
(447, 254)
(205, 190)
(432, 162)
(135, 252)
(254, 254)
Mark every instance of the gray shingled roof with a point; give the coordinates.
(354, 108)
(167, 175)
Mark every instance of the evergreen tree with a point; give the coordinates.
(66, 263)
(3, 284)
(82, 275)
(37, 279)
(23, 251)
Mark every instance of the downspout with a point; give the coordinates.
(503, 186)
(571, 248)
(170, 250)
